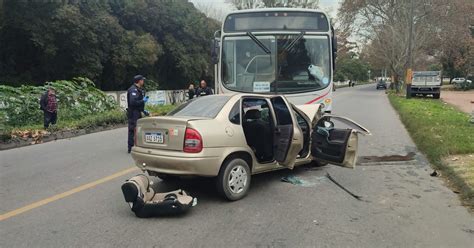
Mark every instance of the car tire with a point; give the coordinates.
(436, 96)
(233, 181)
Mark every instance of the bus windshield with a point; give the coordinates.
(296, 63)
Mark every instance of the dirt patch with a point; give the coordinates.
(389, 158)
(463, 166)
(461, 99)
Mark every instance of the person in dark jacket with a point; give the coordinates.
(191, 91)
(136, 100)
(203, 90)
(49, 105)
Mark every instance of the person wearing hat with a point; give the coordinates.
(136, 100)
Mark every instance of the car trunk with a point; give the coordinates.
(164, 133)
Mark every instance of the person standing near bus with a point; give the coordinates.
(136, 100)
(203, 89)
(191, 91)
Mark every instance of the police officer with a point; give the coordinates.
(203, 90)
(136, 100)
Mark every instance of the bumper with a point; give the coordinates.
(425, 90)
(206, 163)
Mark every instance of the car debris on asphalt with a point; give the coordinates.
(358, 197)
(435, 173)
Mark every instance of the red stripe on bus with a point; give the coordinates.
(317, 98)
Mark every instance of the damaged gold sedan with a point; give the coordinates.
(231, 137)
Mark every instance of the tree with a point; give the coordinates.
(210, 10)
(350, 67)
(247, 4)
(183, 32)
(441, 32)
(453, 44)
(108, 41)
(384, 27)
(253, 4)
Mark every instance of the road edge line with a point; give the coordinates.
(56, 197)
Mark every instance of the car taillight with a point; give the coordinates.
(192, 141)
(135, 136)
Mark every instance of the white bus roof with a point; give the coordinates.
(277, 9)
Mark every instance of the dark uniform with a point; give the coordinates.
(203, 91)
(191, 93)
(136, 106)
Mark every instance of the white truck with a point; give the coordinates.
(426, 83)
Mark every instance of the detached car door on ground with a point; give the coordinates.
(231, 137)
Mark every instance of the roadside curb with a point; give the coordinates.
(58, 135)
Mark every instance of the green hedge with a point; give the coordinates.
(77, 98)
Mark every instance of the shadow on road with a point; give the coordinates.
(205, 188)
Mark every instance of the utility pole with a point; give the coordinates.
(410, 59)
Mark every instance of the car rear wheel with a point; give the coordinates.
(233, 181)
(436, 96)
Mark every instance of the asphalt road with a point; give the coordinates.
(67, 194)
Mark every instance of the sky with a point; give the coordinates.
(330, 6)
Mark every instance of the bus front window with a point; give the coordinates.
(244, 62)
(295, 64)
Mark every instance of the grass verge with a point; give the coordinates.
(439, 131)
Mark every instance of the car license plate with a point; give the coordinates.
(154, 138)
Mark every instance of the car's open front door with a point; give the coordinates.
(288, 138)
(336, 145)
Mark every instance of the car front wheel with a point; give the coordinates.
(233, 181)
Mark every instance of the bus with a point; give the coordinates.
(284, 51)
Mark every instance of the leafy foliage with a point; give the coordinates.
(351, 68)
(252, 4)
(78, 98)
(107, 41)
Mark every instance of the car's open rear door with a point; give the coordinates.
(288, 138)
(336, 145)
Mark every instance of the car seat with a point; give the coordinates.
(144, 202)
(257, 134)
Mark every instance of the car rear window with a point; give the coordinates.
(205, 106)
